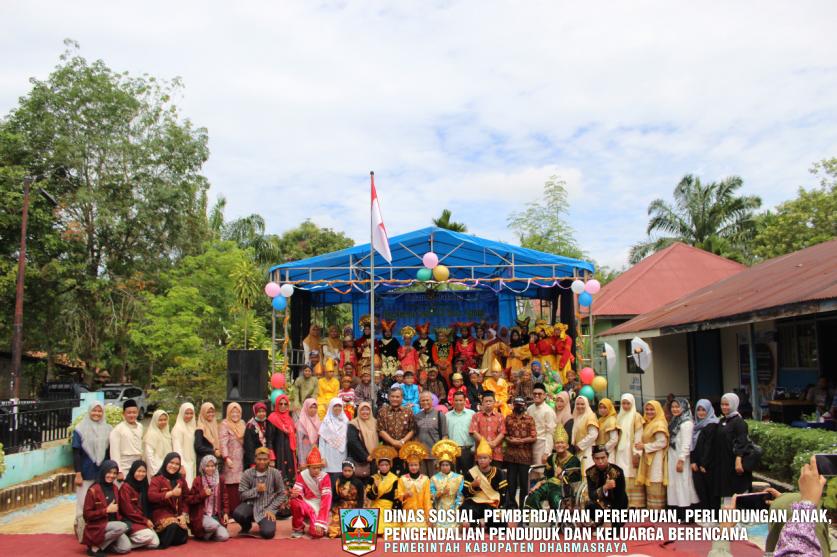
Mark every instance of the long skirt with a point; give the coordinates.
(232, 495)
(655, 495)
(636, 493)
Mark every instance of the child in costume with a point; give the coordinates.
(552, 384)
(347, 395)
(311, 498)
(466, 348)
(495, 382)
(563, 348)
(327, 388)
(389, 346)
(408, 357)
(485, 485)
(411, 392)
(458, 386)
(555, 486)
(381, 492)
(348, 494)
(442, 352)
(446, 485)
(519, 353)
(347, 354)
(414, 487)
(424, 346)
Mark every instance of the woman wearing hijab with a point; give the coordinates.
(608, 431)
(627, 456)
(585, 432)
(91, 439)
(312, 342)
(209, 506)
(254, 435)
(681, 492)
(135, 509)
(362, 439)
(232, 451)
(703, 436)
(333, 436)
(158, 441)
(207, 437)
(281, 440)
(308, 430)
(183, 440)
(305, 386)
(731, 439)
(564, 413)
(653, 466)
(168, 494)
(103, 527)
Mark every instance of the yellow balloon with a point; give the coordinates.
(599, 384)
(441, 273)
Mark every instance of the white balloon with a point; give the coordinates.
(287, 290)
(577, 286)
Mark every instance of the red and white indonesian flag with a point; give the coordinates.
(380, 241)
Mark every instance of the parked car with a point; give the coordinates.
(62, 390)
(118, 393)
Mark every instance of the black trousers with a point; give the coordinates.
(465, 461)
(478, 510)
(518, 478)
(243, 514)
(172, 535)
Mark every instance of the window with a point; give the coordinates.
(798, 345)
(133, 393)
(111, 394)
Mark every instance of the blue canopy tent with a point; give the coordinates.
(479, 264)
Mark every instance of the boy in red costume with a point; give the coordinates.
(311, 498)
(466, 347)
(407, 355)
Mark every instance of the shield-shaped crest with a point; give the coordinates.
(359, 529)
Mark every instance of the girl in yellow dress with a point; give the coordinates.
(327, 388)
(414, 487)
(381, 492)
(446, 485)
(494, 382)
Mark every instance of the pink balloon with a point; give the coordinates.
(272, 289)
(587, 374)
(430, 260)
(277, 381)
(593, 286)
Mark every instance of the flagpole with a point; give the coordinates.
(372, 288)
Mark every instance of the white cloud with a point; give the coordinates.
(469, 105)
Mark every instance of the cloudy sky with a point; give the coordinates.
(468, 105)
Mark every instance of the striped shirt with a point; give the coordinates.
(268, 501)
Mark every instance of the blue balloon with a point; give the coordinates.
(280, 303)
(274, 394)
(584, 299)
(587, 392)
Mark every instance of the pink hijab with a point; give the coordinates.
(310, 425)
(566, 414)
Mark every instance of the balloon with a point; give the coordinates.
(585, 299)
(274, 394)
(592, 286)
(577, 286)
(599, 384)
(279, 303)
(271, 289)
(587, 374)
(287, 290)
(424, 274)
(587, 392)
(277, 381)
(430, 260)
(441, 273)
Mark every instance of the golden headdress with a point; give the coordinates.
(408, 331)
(443, 331)
(365, 321)
(384, 452)
(484, 449)
(446, 449)
(561, 434)
(413, 451)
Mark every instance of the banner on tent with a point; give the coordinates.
(441, 310)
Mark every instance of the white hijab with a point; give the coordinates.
(334, 428)
(733, 401)
(95, 436)
(625, 421)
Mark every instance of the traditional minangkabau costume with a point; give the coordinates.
(442, 352)
(348, 494)
(381, 492)
(494, 382)
(327, 389)
(653, 464)
(556, 485)
(314, 500)
(424, 346)
(490, 491)
(363, 345)
(608, 429)
(413, 490)
(466, 347)
(563, 348)
(446, 489)
(460, 389)
(408, 356)
(389, 348)
(519, 353)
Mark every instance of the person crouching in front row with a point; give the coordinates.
(311, 497)
(605, 484)
(209, 505)
(262, 493)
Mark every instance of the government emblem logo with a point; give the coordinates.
(359, 530)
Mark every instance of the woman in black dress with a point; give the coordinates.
(731, 438)
(703, 436)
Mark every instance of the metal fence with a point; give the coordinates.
(25, 425)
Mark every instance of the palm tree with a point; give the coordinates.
(711, 217)
(247, 281)
(444, 222)
(247, 232)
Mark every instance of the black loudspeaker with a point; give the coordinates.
(246, 374)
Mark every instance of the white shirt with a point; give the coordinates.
(126, 445)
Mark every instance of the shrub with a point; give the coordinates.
(787, 448)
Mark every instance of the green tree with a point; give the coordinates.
(444, 222)
(808, 219)
(247, 232)
(712, 217)
(247, 283)
(541, 225)
(308, 240)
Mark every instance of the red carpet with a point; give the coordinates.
(53, 545)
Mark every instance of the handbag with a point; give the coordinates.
(751, 457)
(363, 470)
